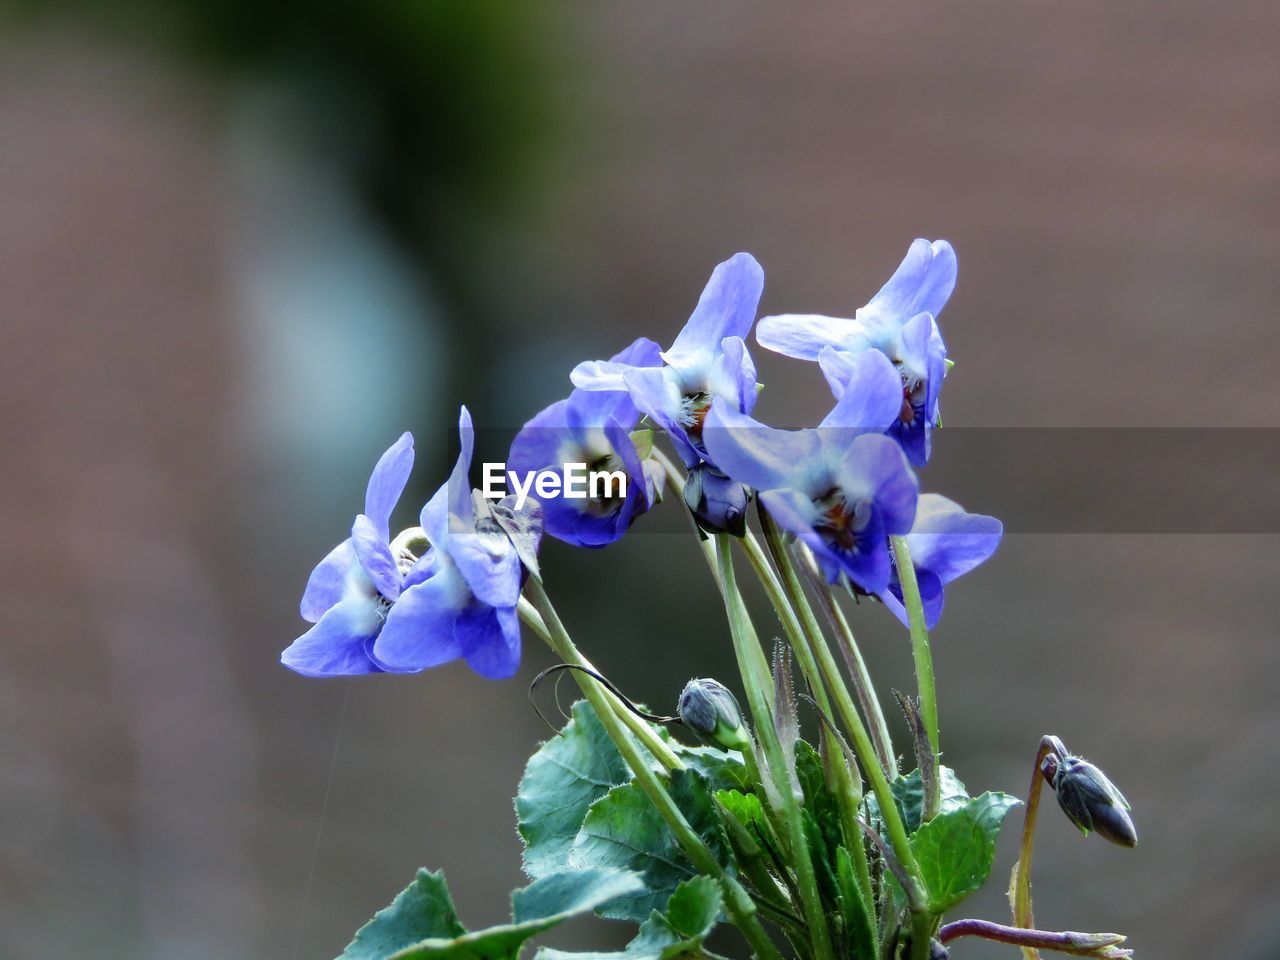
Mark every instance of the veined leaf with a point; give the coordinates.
(956, 848)
(623, 830)
(561, 781)
(421, 910)
(535, 909)
(692, 912)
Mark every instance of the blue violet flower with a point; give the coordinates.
(592, 428)
(442, 591)
(901, 322)
(842, 488)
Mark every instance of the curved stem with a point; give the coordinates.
(1067, 941)
(738, 902)
(746, 645)
(1021, 892)
(645, 733)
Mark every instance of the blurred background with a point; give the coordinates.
(243, 246)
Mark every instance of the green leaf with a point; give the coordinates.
(561, 781)
(724, 770)
(746, 808)
(856, 913)
(423, 909)
(623, 830)
(818, 799)
(955, 849)
(535, 909)
(692, 912)
(909, 793)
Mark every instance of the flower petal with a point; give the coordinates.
(947, 541)
(599, 375)
(727, 308)
(624, 449)
(454, 497)
(922, 284)
(375, 556)
(733, 376)
(917, 340)
(419, 631)
(583, 527)
(871, 400)
(803, 335)
(490, 640)
(869, 565)
(876, 470)
(541, 442)
(386, 483)
(327, 582)
(657, 397)
(642, 352)
(756, 455)
(796, 514)
(932, 598)
(489, 564)
(335, 646)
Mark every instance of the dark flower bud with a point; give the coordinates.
(709, 709)
(719, 504)
(1090, 800)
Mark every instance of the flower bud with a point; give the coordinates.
(719, 504)
(1090, 800)
(709, 709)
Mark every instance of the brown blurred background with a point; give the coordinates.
(241, 249)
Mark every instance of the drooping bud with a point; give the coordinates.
(718, 503)
(1090, 800)
(710, 710)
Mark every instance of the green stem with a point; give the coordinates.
(643, 731)
(738, 902)
(859, 675)
(919, 640)
(847, 786)
(921, 919)
(746, 645)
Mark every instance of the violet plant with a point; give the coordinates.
(822, 848)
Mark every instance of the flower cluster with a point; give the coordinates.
(615, 794)
(444, 590)
(448, 588)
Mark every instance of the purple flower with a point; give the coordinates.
(708, 360)
(900, 322)
(443, 591)
(718, 503)
(842, 488)
(944, 542)
(592, 428)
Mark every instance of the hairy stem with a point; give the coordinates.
(848, 785)
(746, 645)
(919, 643)
(921, 919)
(738, 902)
(859, 675)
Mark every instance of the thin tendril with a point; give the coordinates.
(605, 681)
